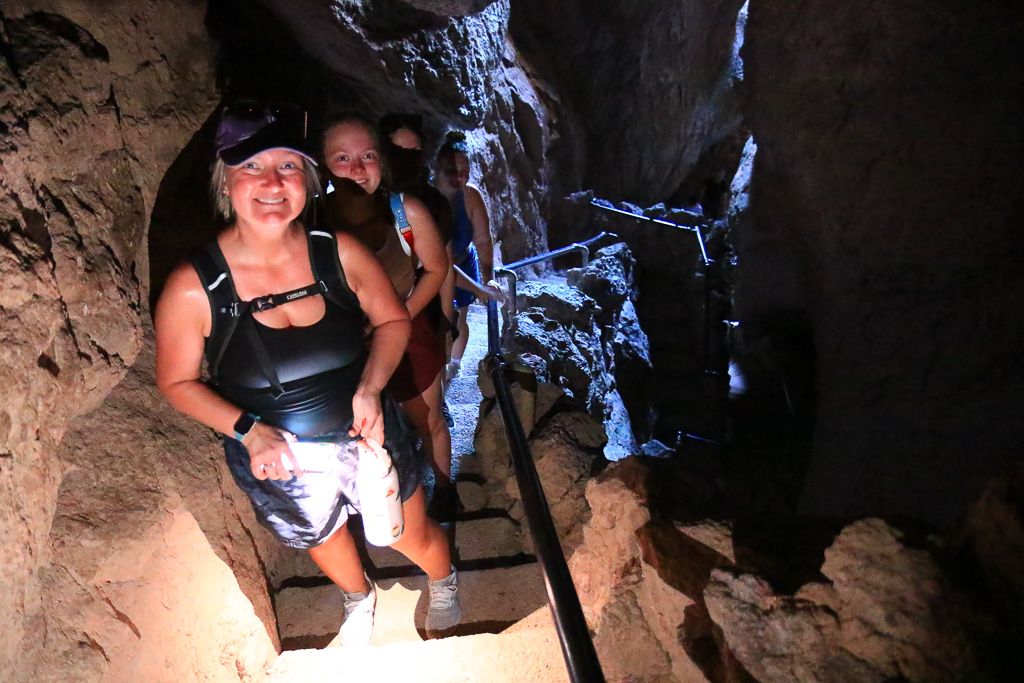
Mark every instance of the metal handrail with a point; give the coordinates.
(707, 270)
(508, 271)
(640, 217)
(581, 660)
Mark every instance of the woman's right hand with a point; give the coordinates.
(268, 446)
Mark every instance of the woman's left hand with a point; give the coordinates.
(492, 290)
(367, 416)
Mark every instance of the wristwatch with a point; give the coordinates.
(244, 425)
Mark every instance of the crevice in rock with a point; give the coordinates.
(37, 34)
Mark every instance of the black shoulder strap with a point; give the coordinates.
(327, 270)
(225, 307)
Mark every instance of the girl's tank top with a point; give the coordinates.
(399, 266)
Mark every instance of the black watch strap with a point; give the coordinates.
(244, 425)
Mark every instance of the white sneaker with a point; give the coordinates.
(359, 608)
(444, 613)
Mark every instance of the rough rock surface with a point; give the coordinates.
(563, 451)
(452, 64)
(670, 303)
(639, 618)
(576, 334)
(563, 440)
(888, 614)
(96, 106)
(155, 572)
(609, 280)
(642, 88)
(908, 261)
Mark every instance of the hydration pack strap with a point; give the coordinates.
(225, 307)
(263, 358)
(398, 208)
(402, 222)
(327, 270)
(265, 303)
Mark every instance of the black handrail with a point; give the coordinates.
(581, 660)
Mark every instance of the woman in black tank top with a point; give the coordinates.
(295, 364)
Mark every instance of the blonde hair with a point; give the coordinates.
(222, 202)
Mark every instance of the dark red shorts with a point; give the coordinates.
(424, 357)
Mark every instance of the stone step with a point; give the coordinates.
(525, 656)
(472, 493)
(491, 599)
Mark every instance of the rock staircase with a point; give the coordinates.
(506, 633)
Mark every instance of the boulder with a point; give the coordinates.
(156, 567)
(888, 613)
(563, 451)
(640, 583)
(563, 441)
(576, 335)
(96, 107)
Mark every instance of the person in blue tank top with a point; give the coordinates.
(295, 366)
(472, 247)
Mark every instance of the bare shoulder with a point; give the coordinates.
(183, 282)
(474, 199)
(415, 208)
(347, 242)
(183, 300)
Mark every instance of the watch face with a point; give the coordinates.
(243, 425)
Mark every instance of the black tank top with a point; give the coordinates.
(319, 366)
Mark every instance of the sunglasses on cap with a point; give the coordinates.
(248, 127)
(256, 111)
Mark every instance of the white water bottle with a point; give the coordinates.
(380, 498)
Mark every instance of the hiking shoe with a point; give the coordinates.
(444, 613)
(358, 626)
(447, 414)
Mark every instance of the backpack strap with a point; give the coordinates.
(327, 270)
(398, 208)
(225, 307)
(402, 222)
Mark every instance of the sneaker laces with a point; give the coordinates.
(443, 592)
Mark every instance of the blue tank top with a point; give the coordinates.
(462, 228)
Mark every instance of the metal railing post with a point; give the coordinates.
(512, 280)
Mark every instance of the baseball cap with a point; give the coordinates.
(249, 127)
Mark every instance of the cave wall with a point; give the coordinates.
(888, 172)
(449, 61)
(640, 89)
(96, 104)
(107, 133)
